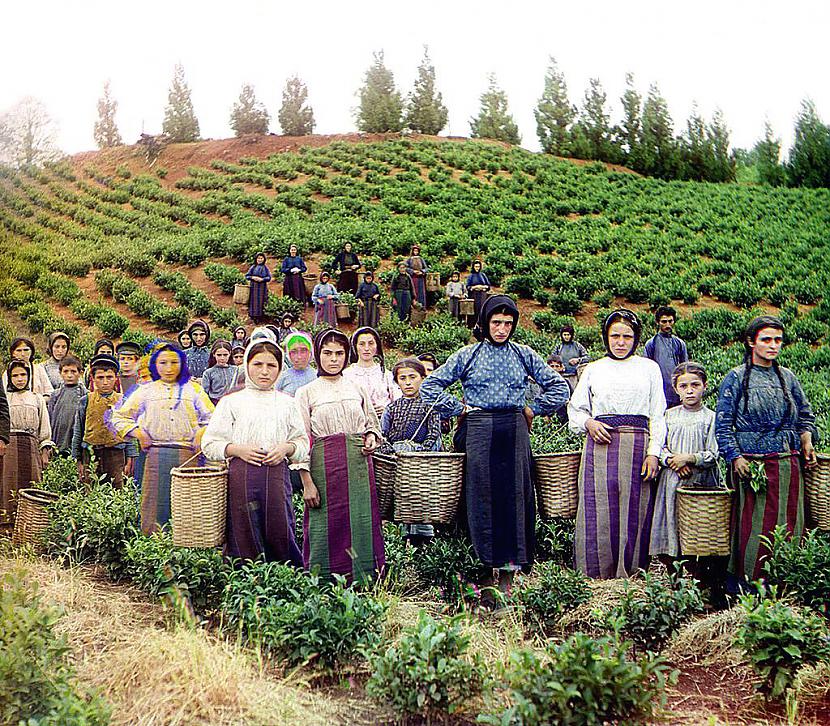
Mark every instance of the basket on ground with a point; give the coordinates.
(384, 466)
(557, 483)
(309, 280)
(417, 316)
(32, 516)
(198, 504)
(466, 306)
(703, 521)
(427, 486)
(433, 281)
(817, 490)
(241, 293)
(343, 312)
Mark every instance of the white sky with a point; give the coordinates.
(752, 58)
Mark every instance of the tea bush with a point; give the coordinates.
(428, 671)
(225, 276)
(582, 681)
(37, 681)
(779, 639)
(551, 591)
(449, 563)
(801, 570)
(555, 540)
(60, 475)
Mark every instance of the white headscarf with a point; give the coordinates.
(261, 335)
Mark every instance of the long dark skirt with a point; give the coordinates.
(500, 503)
(369, 314)
(479, 298)
(256, 303)
(18, 469)
(403, 298)
(613, 518)
(343, 535)
(294, 286)
(155, 484)
(754, 516)
(347, 282)
(260, 514)
(326, 312)
(419, 282)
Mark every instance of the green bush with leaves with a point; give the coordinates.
(225, 276)
(779, 639)
(555, 541)
(61, 475)
(428, 671)
(582, 681)
(549, 592)
(277, 306)
(37, 680)
(450, 564)
(801, 570)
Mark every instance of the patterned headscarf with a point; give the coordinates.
(629, 317)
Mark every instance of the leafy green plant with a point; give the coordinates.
(582, 681)
(225, 276)
(60, 475)
(450, 564)
(779, 639)
(277, 306)
(550, 591)
(428, 671)
(800, 569)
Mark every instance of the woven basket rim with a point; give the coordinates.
(558, 453)
(700, 492)
(430, 454)
(38, 494)
(210, 468)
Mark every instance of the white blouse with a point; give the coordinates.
(633, 387)
(28, 415)
(377, 381)
(255, 418)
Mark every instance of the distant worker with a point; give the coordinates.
(667, 350)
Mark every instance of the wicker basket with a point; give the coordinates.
(309, 280)
(817, 489)
(427, 486)
(417, 317)
(703, 521)
(241, 294)
(343, 312)
(32, 516)
(557, 483)
(384, 466)
(198, 504)
(433, 281)
(466, 306)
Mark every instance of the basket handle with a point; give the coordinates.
(198, 453)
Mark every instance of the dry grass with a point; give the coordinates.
(708, 640)
(152, 675)
(590, 617)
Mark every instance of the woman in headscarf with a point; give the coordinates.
(368, 302)
(221, 375)
(348, 263)
(494, 431)
(324, 298)
(29, 438)
(185, 341)
(298, 349)
(619, 402)
(293, 268)
(23, 349)
(57, 347)
(417, 268)
(764, 426)
(259, 430)
(478, 285)
(198, 354)
(240, 336)
(286, 327)
(368, 369)
(258, 276)
(167, 417)
(403, 292)
(572, 353)
(342, 519)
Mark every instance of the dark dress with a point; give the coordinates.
(479, 296)
(347, 281)
(404, 292)
(369, 314)
(293, 285)
(259, 291)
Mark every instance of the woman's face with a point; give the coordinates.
(332, 357)
(416, 251)
(428, 366)
(59, 349)
(367, 347)
(567, 336)
(186, 340)
(260, 259)
(199, 337)
(299, 356)
(286, 322)
(476, 266)
(238, 357)
(402, 268)
(263, 369)
(168, 366)
(347, 247)
(324, 279)
(222, 355)
(20, 378)
(766, 346)
(293, 251)
(620, 339)
(22, 352)
(409, 381)
(239, 334)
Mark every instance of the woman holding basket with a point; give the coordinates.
(764, 427)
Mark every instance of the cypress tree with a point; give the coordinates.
(721, 167)
(426, 112)
(249, 116)
(593, 120)
(494, 120)
(697, 152)
(105, 131)
(628, 133)
(767, 154)
(381, 106)
(657, 145)
(180, 122)
(809, 161)
(554, 113)
(296, 117)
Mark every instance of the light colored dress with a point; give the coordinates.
(377, 381)
(40, 380)
(689, 432)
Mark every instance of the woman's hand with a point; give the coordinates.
(808, 451)
(279, 453)
(44, 456)
(651, 466)
(741, 468)
(144, 440)
(600, 432)
(681, 461)
(129, 467)
(370, 443)
(573, 361)
(311, 495)
(249, 454)
(528, 414)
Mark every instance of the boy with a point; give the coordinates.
(91, 435)
(128, 354)
(64, 402)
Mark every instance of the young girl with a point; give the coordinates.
(286, 327)
(324, 297)
(167, 417)
(237, 353)
(30, 438)
(342, 518)
(455, 291)
(408, 424)
(368, 369)
(57, 346)
(259, 429)
(298, 348)
(240, 336)
(258, 276)
(220, 377)
(23, 349)
(688, 458)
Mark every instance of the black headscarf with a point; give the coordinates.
(494, 304)
(100, 343)
(10, 387)
(353, 343)
(320, 340)
(629, 317)
(195, 325)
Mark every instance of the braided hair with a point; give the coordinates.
(756, 325)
